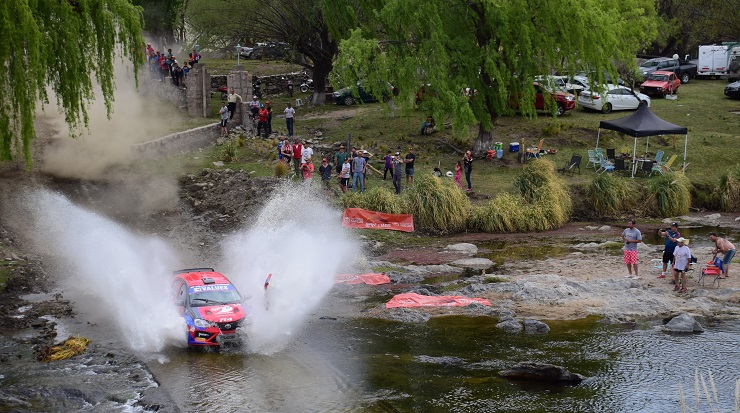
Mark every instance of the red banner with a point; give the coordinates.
(362, 218)
(369, 279)
(416, 300)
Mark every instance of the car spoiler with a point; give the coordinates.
(192, 270)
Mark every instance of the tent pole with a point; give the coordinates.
(634, 158)
(647, 143)
(685, 145)
(598, 134)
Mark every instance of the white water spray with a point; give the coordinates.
(112, 270)
(298, 239)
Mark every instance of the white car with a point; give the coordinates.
(616, 98)
(561, 83)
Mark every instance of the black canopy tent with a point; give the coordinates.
(644, 123)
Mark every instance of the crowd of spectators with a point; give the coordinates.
(166, 66)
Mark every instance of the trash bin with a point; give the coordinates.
(514, 147)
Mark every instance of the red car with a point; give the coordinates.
(565, 101)
(211, 306)
(660, 83)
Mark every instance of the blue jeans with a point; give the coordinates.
(289, 124)
(361, 177)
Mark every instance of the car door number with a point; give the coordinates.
(224, 320)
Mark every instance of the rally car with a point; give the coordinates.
(211, 306)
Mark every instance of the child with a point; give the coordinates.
(307, 170)
(458, 174)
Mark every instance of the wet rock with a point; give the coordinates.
(474, 263)
(605, 228)
(683, 323)
(510, 326)
(464, 247)
(409, 316)
(713, 216)
(535, 327)
(434, 269)
(38, 323)
(541, 372)
(404, 278)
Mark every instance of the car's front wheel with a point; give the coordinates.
(642, 103)
(606, 108)
(349, 101)
(561, 109)
(304, 88)
(685, 78)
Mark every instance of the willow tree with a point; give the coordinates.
(58, 45)
(493, 47)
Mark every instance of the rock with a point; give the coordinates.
(409, 316)
(509, 326)
(535, 327)
(541, 372)
(605, 228)
(218, 164)
(591, 227)
(683, 323)
(713, 216)
(463, 247)
(473, 263)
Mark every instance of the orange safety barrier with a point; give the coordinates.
(362, 218)
(369, 279)
(417, 300)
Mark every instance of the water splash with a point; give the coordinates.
(298, 239)
(111, 271)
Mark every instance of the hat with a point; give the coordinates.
(341, 146)
(324, 160)
(262, 105)
(675, 224)
(681, 239)
(268, 102)
(468, 152)
(254, 97)
(449, 173)
(398, 153)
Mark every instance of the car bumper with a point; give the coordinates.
(213, 337)
(589, 103)
(652, 90)
(732, 93)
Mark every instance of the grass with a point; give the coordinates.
(701, 107)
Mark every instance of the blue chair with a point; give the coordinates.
(606, 166)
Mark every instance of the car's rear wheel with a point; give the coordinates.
(349, 101)
(561, 109)
(685, 78)
(606, 108)
(304, 88)
(642, 103)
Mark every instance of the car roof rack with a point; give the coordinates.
(186, 270)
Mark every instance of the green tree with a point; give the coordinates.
(495, 48)
(59, 44)
(301, 24)
(163, 19)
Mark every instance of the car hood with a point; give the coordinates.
(217, 313)
(654, 83)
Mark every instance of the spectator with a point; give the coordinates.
(339, 158)
(682, 255)
(185, 71)
(306, 153)
(468, 167)
(262, 124)
(307, 169)
(233, 98)
(325, 172)
(268, 106)
(631, 237)
(397, 171)
(287, 151)
(359, 166)
(427, 127)
(725, 247)
(344, 174)
(410, 159)
(224, 111)
(194, 57)
(458, 174)
(254, 107)
(297, 150)
(289, 118)
(671, 236)
(388, 165)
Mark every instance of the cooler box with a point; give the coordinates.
(514, 147)
(499, 153)
(498, 145)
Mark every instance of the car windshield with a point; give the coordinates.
(661, 78)
(204, 298)
(650, 63)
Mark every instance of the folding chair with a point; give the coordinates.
(592, 159)
(647, 167)
(611, 154)
(712, 269)
(572, 165)
(620, 165)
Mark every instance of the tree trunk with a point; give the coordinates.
(321, 70)
(483, 142)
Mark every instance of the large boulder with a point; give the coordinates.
(464, 247)
(532, 371)
(535, 327)
(683, 323)
(509, 325)
(474, 263)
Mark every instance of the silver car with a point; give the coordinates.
(615, 98)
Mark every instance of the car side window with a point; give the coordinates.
(182, 294)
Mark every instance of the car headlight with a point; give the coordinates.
(201, 323)
(336, 94)
(660, 88)
(570, 98)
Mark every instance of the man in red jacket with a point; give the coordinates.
(262, 125)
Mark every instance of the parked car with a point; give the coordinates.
(565, 101)
(350, 95)
(683, 70)
(211, 306)
(733, 90)
(660, 83)
(561, 82)
(246, 52)
(616, 98)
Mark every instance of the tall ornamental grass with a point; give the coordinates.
(728, 190)
(609, 195)
(671, 194)
(438, 206)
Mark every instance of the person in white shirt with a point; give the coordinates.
(306, 153)
(682, 257)
(289, 117)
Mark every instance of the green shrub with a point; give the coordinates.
(671, 193)
(609, 195)
(728, 190)
(281, 169)
(438, 206)
(505, 213)
(229, 151)
(382, 199)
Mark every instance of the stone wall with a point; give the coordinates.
(198, 96)
(180, 142)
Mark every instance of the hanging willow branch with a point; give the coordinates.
(60, 44)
